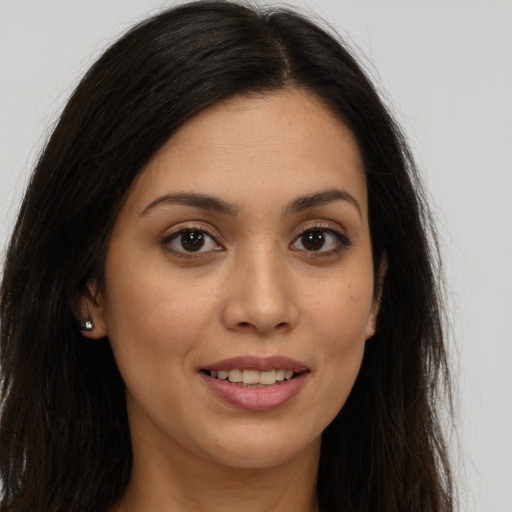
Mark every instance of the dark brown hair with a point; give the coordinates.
(64, 438)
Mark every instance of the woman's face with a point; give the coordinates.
(242, 252)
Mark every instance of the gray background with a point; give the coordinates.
(446, 69)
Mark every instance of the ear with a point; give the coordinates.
(377, 296)
(90, 308)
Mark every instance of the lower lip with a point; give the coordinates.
(256, 399)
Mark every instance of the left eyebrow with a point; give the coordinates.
(201, 201)
(320, 199)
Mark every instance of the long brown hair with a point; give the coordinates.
(64, 437)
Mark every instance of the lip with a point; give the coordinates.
(256, 399)
(261, 364)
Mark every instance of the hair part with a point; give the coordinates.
(62, 399)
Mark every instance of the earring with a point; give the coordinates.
(87, 326)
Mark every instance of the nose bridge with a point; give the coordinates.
(260, 296)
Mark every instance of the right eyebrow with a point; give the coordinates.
(322, 198)
(202, 201)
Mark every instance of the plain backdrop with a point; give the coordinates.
(445, 67)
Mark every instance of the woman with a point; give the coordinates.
(220, 291)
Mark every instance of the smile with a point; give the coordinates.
(256, 383)
(253, 378)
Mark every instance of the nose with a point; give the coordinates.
(260, 295)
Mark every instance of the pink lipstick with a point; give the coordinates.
(255, 383)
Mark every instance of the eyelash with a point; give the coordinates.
(175, 235)
(341, 240)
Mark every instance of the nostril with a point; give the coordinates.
(279, 326)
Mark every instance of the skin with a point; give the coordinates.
(254, 288)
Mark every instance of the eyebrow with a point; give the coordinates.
(206, 202)
(322, 198)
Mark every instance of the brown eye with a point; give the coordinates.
(313, 240)
(320, 240)
(191, 240)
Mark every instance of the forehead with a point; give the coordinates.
(278, 145)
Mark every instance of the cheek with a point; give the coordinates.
(153, 319)
(342, 308)
(154, 325)
(340, 317)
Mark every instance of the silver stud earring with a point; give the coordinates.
(87, 326)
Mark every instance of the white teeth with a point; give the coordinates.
(235, 376)
(268, 377)
(253, 377)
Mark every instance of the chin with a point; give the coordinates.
(262, 450)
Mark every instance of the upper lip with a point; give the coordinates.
(262, 364)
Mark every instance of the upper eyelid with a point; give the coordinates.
(334, 232)
(322, 224)
(335, 228)
(192, 226)
(167, 240)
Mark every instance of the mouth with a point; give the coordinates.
(250, 378)
(254, 383)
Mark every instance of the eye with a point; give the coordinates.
(320, 240)
(191, 241)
